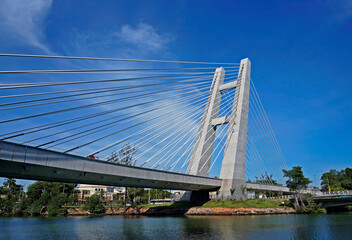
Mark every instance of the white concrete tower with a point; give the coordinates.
(234, 161)
(199, 163)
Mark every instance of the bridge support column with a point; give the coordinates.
(233, 165)
(199, 163)
(200, 160)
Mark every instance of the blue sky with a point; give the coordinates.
(301, 53)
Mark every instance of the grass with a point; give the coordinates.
(172, 205)
(252, 203)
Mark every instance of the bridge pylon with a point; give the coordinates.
(199, 163)
(234, 160)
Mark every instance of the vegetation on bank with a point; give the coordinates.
(251, 203)
(297, 182)
(54, 198)
(40, 197)
(337, 180)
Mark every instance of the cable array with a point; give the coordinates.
(264, 158)
(97, 107)
(113, 108)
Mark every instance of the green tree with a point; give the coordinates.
(296, 182)
(8, 204)
(346, 181)
(331, 180)
(72, 199)
(56, 206)
(10, 187)
(38, 206)
(124, 156)
(337, 180)
(9, 183)
(49, 196)
(94, 204)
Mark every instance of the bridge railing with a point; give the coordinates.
(345, 192)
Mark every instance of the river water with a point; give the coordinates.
(329, 226)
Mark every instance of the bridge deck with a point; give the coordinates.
(21, 161)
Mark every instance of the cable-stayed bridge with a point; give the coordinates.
(197, 126)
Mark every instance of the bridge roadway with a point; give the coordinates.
(27, 162)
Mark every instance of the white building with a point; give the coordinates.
(110, 193)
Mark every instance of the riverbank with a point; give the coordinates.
(227, 207)
(222, 207)
(200, 211)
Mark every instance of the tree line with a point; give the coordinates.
(54, 198)
(330, 181)
(337, 180)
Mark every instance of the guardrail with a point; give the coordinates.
(345, 192)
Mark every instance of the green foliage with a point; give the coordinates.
(346, 180)
(41, 196)
(307, 210)
(10, 187)
(141, 195)
(296, 180)
(94, 204)
(337, 180)
(7, 204)
(36, 189)
(267, 203)
(180, 204)
(72, 199)
(56, 205)
(37, 206)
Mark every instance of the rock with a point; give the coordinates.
(238, 211)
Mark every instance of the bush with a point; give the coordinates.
(94, 204)
(56, 205)
(311, 210)
(37, 207)
(8, 204)
(72, 199)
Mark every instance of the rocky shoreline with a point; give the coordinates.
(186, 211)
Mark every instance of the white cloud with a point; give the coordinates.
(143, 36)
(342, 8)
(23, 20)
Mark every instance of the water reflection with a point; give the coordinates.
(331, 226)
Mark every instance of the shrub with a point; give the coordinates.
(37, 207)
(8, 204)
(56, 205)
(94, 204)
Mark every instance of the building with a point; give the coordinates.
(110, 193)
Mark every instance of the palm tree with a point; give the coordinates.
(10, 183)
